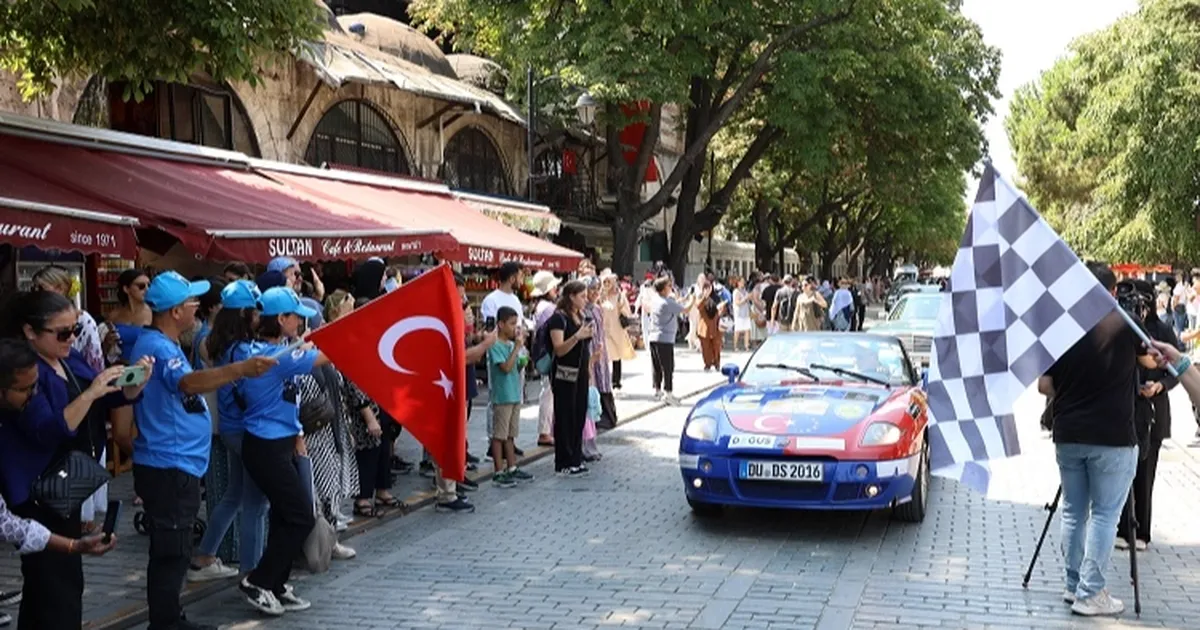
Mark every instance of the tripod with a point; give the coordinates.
(1131, 534)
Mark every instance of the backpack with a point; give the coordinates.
(543, 359)
(787, 306)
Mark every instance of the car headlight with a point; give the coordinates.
(881, 434)
(702, 428)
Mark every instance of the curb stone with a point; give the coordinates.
(192, 593)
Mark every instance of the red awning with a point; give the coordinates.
(220, 213)
(34, 212)
(480, 240)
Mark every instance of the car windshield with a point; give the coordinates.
(876, 357)
(916, 307)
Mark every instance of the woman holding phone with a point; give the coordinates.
(68, 394)
(272, 441)
(570, 337)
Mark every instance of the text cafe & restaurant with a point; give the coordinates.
(98, 202)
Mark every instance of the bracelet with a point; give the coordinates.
(1181, 366)
(71, 547)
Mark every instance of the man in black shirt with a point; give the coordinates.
(1094, 384)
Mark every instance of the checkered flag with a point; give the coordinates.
(1019, 299)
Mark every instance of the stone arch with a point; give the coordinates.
(472, 161)
(357, 133)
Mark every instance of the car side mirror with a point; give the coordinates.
(731, 371)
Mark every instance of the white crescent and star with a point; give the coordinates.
(759, 425)
(392, 336)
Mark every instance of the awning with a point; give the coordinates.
(526, 217)
(222, 213)
(481, 240)
(34, 212)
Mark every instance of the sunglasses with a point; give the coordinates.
(65, 334)
(140, 286)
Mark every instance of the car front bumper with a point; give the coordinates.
(847, 485)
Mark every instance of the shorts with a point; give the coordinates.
(506, 421)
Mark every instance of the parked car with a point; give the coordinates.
(900, 290)
(912, 320)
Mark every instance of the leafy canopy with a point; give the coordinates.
(141, 41)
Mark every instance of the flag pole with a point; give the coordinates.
(288, 348)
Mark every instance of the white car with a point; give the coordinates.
(912, 320)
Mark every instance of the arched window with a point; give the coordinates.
(473, 164)
(200, 112)
(354, 133)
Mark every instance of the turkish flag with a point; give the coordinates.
(406, 351)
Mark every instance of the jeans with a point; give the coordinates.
(171, 499)
(1095, 480)
(242, 496)
(52, 592)
(272, 465)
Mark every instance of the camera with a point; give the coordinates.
(1136, 297)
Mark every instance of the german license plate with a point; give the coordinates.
(783, 471)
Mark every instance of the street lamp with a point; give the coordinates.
(585, 105)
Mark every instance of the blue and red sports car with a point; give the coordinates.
(823, 421)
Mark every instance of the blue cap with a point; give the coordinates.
(169, 289)
(241, 294)
(281, 264)
(269, 279)
(284, 301)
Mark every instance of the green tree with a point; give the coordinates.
(767, 62)
(1106, 140)
(141, 41)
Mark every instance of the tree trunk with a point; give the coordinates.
(625, 245)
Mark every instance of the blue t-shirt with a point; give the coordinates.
(504, 387)
(229, 412)
(174, 429)
(197, 341)
(273, 399)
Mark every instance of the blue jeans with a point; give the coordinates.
(242, 495)
(1095, 481)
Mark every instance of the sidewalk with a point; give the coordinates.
(114, 595)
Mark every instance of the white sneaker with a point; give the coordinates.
(658, 394)
(671, 399)
(1069, 596)
(1122, 544)
(215, 571)
(342, 552)
(1099, 604)
(292, 602)
(1141, 545)
(260, 598)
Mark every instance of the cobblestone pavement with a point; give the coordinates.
(621, 549)
(115, 584)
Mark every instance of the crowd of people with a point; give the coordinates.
(232, 402)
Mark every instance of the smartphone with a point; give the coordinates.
(489, 324)
(110, 520)
(132, 376)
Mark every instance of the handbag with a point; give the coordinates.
(626, 322)
(67, 482)
(317, 552)
(566, 374)
(316, 410)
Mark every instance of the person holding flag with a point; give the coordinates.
(272, 441)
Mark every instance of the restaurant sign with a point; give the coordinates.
(52, 231)
(312, 248)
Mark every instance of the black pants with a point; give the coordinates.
(171, 500)
(1143, 493)
(662, 361)
(272, 465)
(570, 411)
(608, 411)
(374, 470)
(616, 374)
(52, 594)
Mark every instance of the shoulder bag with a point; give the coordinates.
(69, 480)
(316, 409)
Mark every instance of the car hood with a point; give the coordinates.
(808, 409)
(915, 327)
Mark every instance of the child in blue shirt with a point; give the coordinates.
(504, 385)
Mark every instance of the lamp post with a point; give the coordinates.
(585, 106)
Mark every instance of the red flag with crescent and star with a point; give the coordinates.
(406, 351)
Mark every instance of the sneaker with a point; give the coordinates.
(1122, 544)
(341, 526)
(342, 552)
(471, 459)
(458, 506)
(427, 470)
(215, 571)
(5, 619)
(1141, 545)
(292, 602)
(578, 472)
(466, 485)
(658, 394)
(1099, 604)
(10, 598)
(520, 476)
(503, 480)
(671, 399)
(260, 598)
(1069, 596)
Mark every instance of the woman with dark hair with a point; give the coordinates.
(68, 395)
(272, 441)
(132, 314)
(57, 279)
(570, 334)
(210, 304)
(233, 325)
